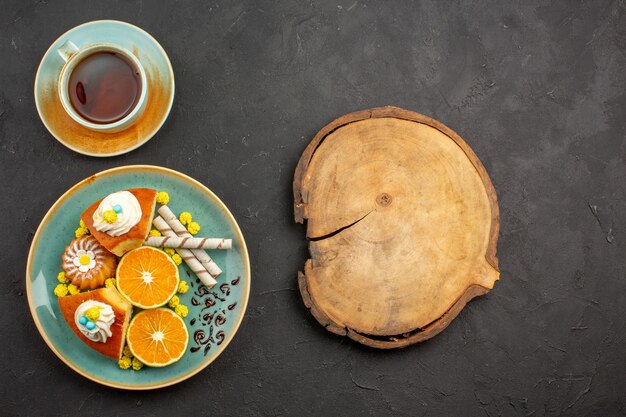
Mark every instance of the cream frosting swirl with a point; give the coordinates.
(128, 213)
(102, 329)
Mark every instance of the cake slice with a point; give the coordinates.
(109, 314)
(137, 234)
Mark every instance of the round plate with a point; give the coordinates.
(160, 94)
(212, 321)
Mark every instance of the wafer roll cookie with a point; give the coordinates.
(186, 254)
(188, 242)
(181, 231)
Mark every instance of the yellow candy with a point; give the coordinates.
(127, 352)
(93, 313)
(73, 289)
(185, 217)
(81, 223)
(60, 290)
(61, 278)
(181, 310)
(155, 232)
(81, 231)
(193, 228)
(109, 216)
(125, 362)
(136, 364)
(174, 301)
(183, 287)
(177, 259)
(110, 282)
(170, 251)
(163, 197)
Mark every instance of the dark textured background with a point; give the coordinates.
(536, 88)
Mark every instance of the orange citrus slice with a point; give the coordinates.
(157, 337)
(147, 277)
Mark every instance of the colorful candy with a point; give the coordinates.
(109, 216)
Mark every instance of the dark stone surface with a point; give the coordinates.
(536, 88)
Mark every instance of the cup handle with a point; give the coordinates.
(67, 50)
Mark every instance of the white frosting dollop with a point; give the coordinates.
(102, 330)
(128, 217)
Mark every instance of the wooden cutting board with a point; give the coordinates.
(402, 222)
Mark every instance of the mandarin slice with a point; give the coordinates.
(157, 337)
(147, 277)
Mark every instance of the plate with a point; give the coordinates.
(160, 83)
(214, 316)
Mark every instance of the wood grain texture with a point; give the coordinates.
(402, 221)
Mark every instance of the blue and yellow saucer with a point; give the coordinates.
(160, 77)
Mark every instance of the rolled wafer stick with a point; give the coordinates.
(181, 231)
(186, 254)
(188, 242)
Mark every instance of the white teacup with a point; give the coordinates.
(72, 55)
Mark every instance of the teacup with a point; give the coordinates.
(102, 86)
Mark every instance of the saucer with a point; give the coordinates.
(160, 94)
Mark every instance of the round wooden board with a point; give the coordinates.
(402, 222)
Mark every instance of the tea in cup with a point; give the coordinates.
(102, 86)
